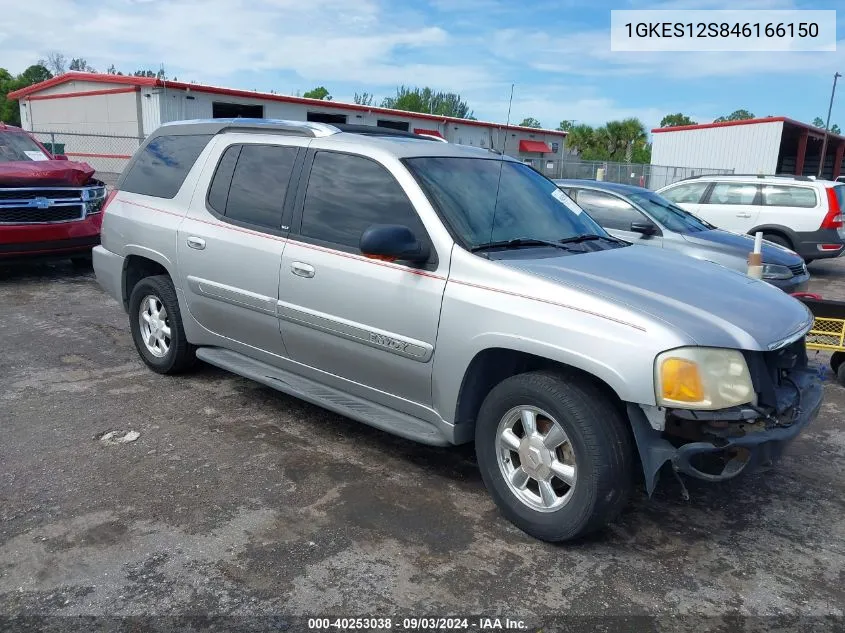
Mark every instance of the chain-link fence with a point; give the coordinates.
(642, 175)
(107, 154)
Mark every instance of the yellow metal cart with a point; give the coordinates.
(828, 331)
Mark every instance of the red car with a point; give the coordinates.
(48, 204)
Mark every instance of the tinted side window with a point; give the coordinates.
(786, 196)
(690, 193)
(259, 185)
(162, 166)
(346, 194)
(733, 193)
(218, 192)
(609, 211)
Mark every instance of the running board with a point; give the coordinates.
(376, 415)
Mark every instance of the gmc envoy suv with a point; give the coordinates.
(450, 294)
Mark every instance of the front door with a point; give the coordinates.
(232, 239)
(371, 324)
(616, 216)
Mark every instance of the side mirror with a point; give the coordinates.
(643, 226)
(59, 157)
(393, 242)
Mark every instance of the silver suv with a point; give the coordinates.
(449, 294)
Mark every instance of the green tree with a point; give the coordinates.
(566, 125)
(676, 120)
(80, 65)
(624, 140)
(818, 122)
(364, 98)
(531, 122)
(428, 101)
(318, 93)
(9, 109)
(736, 115)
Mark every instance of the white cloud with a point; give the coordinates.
(214, 40)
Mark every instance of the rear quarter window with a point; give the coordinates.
(160, 168)
(787, 196)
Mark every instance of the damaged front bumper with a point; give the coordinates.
(730, 441)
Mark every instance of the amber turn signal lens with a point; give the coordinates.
(681, 380)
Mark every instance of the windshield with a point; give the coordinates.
(17, 146)
(529, 205)
(670, 215)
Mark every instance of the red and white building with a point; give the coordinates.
(773, 145)
(122, 106)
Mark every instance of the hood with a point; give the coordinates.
(713, 305)
(44, 173)
(736, 244)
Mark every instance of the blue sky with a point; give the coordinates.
(557, 53)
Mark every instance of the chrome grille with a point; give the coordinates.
(798, 269)
(44, 205)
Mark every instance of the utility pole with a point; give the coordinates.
(827, 125)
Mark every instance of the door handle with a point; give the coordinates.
(196, 242)
(743, 215)
(302, 269)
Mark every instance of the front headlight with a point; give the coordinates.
(94, 197)
(776, 271)
(702, 378)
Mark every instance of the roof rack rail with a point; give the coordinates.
(217, 126)
(375, 130)
(790, 176)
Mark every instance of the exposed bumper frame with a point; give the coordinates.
(765, 446)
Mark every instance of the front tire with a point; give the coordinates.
(779, 240)
(156, 324)
(555, 454)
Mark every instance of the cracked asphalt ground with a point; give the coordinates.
(241, 501)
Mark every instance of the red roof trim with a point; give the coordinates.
(419, 130)
(86, 93)
(76, 76)
(331, 105)
(534, 146)
(770, 119)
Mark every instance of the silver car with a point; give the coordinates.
(449, 295)
(644, 217)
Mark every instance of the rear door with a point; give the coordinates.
(732, 206)
(230, 244)
(616, 215)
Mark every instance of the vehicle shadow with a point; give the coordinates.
(35, 270)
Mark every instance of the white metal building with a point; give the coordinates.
(773, 145)
(123, 106)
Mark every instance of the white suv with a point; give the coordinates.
(798, 212)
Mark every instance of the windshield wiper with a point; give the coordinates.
(586, 237)
(516, 243)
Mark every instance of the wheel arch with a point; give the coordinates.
(140, 262)
(492, 365)
(779, 229)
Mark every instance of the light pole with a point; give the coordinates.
(827, 125)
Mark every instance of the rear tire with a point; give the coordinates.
(570, 490)
(156, 324)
